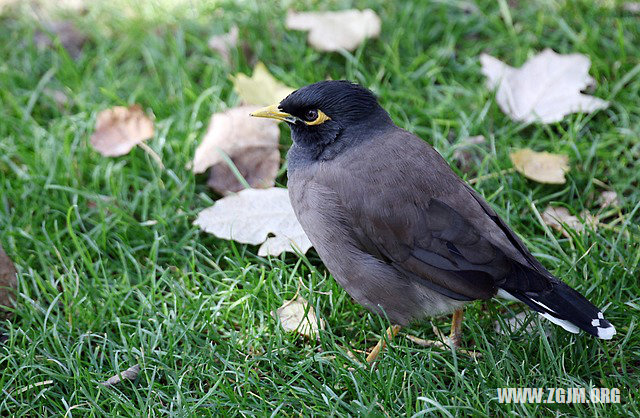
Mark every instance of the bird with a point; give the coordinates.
(397, 228)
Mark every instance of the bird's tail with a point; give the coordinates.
(565, 307)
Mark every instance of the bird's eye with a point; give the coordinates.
(311, 115)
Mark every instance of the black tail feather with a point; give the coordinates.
(564, 304)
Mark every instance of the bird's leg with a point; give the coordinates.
(454, 340)
(455, 337)
(392, 331)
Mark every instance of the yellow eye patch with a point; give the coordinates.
(322, 118)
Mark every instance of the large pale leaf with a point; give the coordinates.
(332, 31)
(251, 215)
(261, 89)
(542, 167)
(546, 88)
(251, 143)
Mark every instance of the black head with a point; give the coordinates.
(319, 114)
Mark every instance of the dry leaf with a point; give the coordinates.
(251, 143)
(70, 37)
(8, 284)
(296, 315)
(251, 215)
(517, 324)
(130, 374)
(546, 88)
(332, 31)
(631, 7)
(261, 89)
(257, 165)
(223, 43)
(542, 167)
(58, 96)
(559, 217)
(609, 198)
(464, 154)
(119, 129)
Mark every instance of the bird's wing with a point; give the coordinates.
(414, 213)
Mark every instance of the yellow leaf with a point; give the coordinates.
(542, 167)
(261, 89)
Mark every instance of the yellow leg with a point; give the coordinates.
(454, 340)
(392, 331)
(456, 328)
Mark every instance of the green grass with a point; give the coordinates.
(101, 289)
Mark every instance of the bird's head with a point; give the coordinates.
(320, 113)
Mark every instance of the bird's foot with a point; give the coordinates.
(444, 343)
(392, 331)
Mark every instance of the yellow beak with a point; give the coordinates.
(272, 112)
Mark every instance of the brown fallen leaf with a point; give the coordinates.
(542, 167)
(119, 129)
(332, 31)
(257, 165)
(130, 374)
(251, 143)
(464, 154)
(545, 89)
(558, 218)
(70, 37)
(261, 89)
(224, 43)
(251, 216)
(296, 315)
(8, 284)
(608, 198)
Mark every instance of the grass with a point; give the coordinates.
(101, 288)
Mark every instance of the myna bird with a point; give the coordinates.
(397, 228)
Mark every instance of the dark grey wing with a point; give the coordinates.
(440, 249)
(432, 227)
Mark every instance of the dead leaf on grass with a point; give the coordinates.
(559, 218)
(261, 89)
(332, 31)
(251, 216)
(130, 374)
(546, 88)
(251, 143)
(542, 167)
(119, 129)
(296, 315)
(71, 38)
(464, 154)
(59, 97)
(608, 198)
(516, 324)
(224, 43)
(8, 284)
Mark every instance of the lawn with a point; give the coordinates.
(112, 272)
